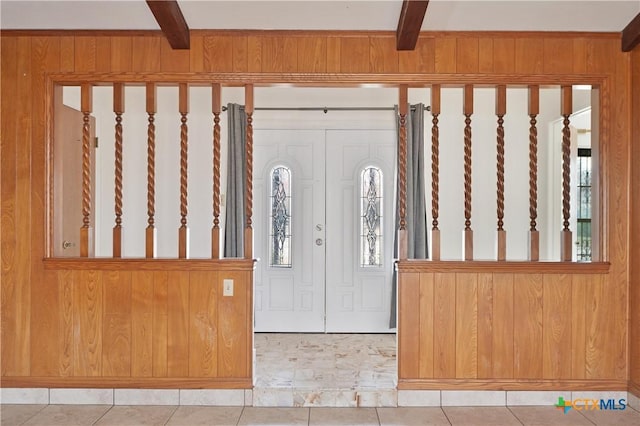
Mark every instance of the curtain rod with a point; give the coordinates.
(327, 109)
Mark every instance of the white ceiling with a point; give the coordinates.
(471, 15)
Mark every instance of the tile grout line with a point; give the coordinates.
(172, 413)
(514, 415)
(103, 414)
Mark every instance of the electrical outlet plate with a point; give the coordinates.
(227, 287)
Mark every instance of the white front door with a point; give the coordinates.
(308, 208)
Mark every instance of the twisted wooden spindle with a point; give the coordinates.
(150, 232)
(86, 102)
(118, 109)
(248, 232)
(403, 110)
(183, 94)
(566, 236)
(215, 231)
(435, 172)
(534, 110)
(467, 111)
(501, 110)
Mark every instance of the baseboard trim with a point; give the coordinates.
(522, 384)
(127, 383)
(634, 388)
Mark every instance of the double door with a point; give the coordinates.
(323, 223)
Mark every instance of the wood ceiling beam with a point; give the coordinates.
(171, 21)
(631, 34)
(410, 22)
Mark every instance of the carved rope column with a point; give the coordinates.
(534, 110)
(183, 231)
(86, 106)
(216, 100)
(118, 109)
(403, 245)
(248, 232)
(501, 110)
(435, 171)
(566, 236)
(468, 232)
(150, 233)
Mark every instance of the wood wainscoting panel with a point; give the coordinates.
(117, 319)
(203, 330)
(634, 282)
(178, 324)
(142, 324)
(527, 326)
(466, 313)
(556, 325)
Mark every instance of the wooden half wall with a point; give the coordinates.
(44, 301)
(634, 252)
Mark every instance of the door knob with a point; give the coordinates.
(319, 241)
(67, 244)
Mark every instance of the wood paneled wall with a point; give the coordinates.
(38, 304)
(501, 327)
(634, 252)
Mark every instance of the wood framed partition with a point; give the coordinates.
(37, 308)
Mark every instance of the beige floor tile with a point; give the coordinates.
(627, 417)
(77, 415)
(548, 415)
(343, 416)
(123, 415)
(480, 416)
(274, 416)
(16, 414)
(409, 416)
(199, 415)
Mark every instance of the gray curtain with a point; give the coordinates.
(236, 172)
(416, 217)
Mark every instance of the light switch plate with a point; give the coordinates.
(227, 287)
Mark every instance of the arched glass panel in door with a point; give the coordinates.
(280, 218)
(371, 217)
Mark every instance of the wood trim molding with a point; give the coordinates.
(108, 264)
(121, 382)
(631, 34)
(515, 384)
(406, 266)
(634, 388)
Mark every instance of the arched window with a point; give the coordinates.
(371, 217)
(280, 223)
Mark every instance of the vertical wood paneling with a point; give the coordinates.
(88, 324)
(426, 314)
(445, 55)
(44, 338)
(121, 53)
(178, 324)
(240, 54)
(527, 325)
(9, 304)
(634, 253)
(218, 53)
(444, 323)
(466, 326)
(116, 346)
(312, 54)
(233, 351)
(333, 54)
(160, 323)
(103, 54)
(354, 54)
(409, 322)
(196, 54)
(383, 55)
(67, 53)
(558, 55)
(419, 60)
(279, 54)
(529, 55)
(203, 338)
(503, 55)
(66, 287)
(556, 321)
(145, 55)
(485, 325)
(254, 53)
(579, 56)
(467, 55)
(85, 54)
(598, 322)
(142, 324)
(485, 55)
(503, 333)
(173, 60)
(579, 286)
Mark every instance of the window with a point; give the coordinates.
(280, 223)
(583, 237)
(371, 217)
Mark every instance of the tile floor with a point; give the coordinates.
(80, 415)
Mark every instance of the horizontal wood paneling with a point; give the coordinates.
(59, 320)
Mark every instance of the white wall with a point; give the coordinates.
(200, 123)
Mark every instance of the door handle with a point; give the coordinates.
(67, 244)
(318, 241)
